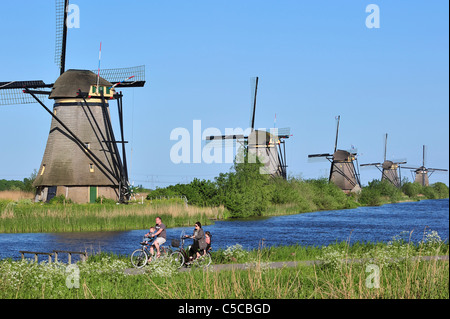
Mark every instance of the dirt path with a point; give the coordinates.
(279, 264)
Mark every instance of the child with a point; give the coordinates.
(208, 240)
(151, 231)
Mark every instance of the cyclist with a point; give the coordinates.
(199, 241)
(160, 235)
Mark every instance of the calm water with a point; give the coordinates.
(374, 224)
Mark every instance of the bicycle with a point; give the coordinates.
(180, 257)
(141, 256)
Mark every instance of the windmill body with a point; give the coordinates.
(67, 169)
(390, 170)
(263, 146)
(421, 176)
(81, 160)
(343, 172)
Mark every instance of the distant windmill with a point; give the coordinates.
(343, 172)
(82, 159)
(422, 173)
(390, 170)
(268, 146)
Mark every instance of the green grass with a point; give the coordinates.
(22, 217)
(343, 273)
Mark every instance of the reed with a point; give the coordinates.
(17, 217)
(15, 195)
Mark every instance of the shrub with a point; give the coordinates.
(411, 189)
(441, 190)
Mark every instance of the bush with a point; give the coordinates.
(441, 190)
(377, 191)
(411, 189)
(61, 199)
(245, 192)
(105, 201)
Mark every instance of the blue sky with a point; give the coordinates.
(314, 59)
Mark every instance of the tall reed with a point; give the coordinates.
(16, 217)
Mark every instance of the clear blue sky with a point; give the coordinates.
(314, 59)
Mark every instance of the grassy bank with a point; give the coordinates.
(25, 216)
(19, 214)
(338, 276)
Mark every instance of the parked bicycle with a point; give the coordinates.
(180, 257)
(141, 256)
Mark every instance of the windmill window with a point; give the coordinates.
(91, 168)
(43, 169)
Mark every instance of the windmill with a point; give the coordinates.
(82, 159)
(266, 145)
(344, 173)
(390, 170)
(423, 173)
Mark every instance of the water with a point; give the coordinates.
(364, 224)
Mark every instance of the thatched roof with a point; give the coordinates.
(68, 84)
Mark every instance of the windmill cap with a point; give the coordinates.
(341, 155)
(387, 164)
(68, 84)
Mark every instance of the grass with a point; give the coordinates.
(346, 271)
(24, 216)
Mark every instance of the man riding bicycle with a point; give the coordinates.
(160, 236)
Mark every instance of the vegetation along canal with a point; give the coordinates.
(364, 224)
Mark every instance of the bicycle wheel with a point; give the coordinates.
(177, 258)
(203, 261)
(139, 258)
(166, 251)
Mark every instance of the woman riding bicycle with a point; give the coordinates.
(199, 241)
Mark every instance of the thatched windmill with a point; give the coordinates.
(423, 173)
(268, 146)
(390, 170)
(343, 172)
(82, 160)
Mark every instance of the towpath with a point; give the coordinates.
(278, 264)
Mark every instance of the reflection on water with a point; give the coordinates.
(363, 224)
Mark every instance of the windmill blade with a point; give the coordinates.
(61, 34)
(11, 93)
(253, 109)
(338, 118)
(319, 155)
(438, 169)
(124, 77)
(370, 164)
(409, 167)
(284, 132)
(225, 137)
(423, 155)
(24, 84)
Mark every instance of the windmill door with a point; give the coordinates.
(92, 194)
(51, 192)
